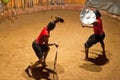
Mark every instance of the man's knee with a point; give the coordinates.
(87, 45)
(101, 42)
(40, 60)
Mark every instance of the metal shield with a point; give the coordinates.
(87, 16)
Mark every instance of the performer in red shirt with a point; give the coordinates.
(98, 35)
(41, 46)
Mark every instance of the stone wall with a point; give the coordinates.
(26, 3)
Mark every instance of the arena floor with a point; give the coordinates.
(16, 52)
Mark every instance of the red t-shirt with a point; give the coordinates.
(40, 38)
(98, 29)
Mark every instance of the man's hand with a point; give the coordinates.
(60, 19)
(56, 45)
(82, 25)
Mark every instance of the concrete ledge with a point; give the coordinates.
(13, 12)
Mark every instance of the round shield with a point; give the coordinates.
(87, 16)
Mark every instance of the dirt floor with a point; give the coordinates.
(16, 52)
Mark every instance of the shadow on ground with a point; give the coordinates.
(42, 72)
(46, 73)
(94, 64)
(100, 60)
(91, 67)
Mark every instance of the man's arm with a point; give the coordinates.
(89, 25)
(58, 19)
(46, 39)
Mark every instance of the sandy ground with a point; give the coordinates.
(16, 52)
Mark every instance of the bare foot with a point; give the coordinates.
(28, 71)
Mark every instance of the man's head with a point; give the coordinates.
(51, 26)
(97, 13)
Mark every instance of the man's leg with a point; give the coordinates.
(36, 64)
(102, 43)
(39, 54)
(86, 52)
(44, 59)
(45, 55)
(30, 67)
(91, 40)
(103, 48)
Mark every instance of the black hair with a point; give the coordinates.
(51, 25)
(97, 13)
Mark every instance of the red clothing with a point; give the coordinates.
(40, 38)
(98, 29)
